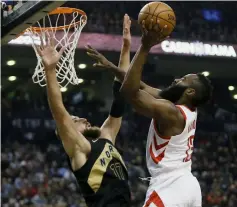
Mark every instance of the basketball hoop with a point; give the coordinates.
(73, 21)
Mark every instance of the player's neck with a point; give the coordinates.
(184, 102)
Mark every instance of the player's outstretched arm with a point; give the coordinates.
(124, 62)
(70, 137)
(112, 124)
(103, 62)
(143, 102)
(132, 79)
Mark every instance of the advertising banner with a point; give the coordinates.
(108, 42)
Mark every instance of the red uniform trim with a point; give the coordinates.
(159, 146)
(183, 113)
(159, 157)
(154, 198)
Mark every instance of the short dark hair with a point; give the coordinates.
(203, 89)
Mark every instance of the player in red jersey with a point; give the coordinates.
(172, 129)
(170, 138)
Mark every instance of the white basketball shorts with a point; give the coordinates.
(183, 191)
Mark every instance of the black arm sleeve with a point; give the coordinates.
(118, 105)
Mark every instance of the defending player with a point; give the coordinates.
(171, 134)
(95, 162)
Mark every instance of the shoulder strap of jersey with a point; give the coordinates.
(184, 109)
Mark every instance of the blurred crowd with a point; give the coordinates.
(196, 21)
(35, 171)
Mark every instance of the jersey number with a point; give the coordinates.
(189, 151)
(118, 171)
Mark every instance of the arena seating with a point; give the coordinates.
(195, 21)
(34, 168)
(35, 171)
(200, 21)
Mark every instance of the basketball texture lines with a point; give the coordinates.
(158, 11)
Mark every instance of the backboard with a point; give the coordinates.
(24, 16)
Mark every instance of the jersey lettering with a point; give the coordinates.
(108, 159)
(189, 150)
(108, 155)
(102, 161)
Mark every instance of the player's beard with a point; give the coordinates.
(93, 132)
(173, 93)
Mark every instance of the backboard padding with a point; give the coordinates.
(25, 16)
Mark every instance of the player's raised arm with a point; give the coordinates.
(112, 124)
(125, 59)
(124, 62)
(71, 139)
(143, 102)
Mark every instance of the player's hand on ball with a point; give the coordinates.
(126, 30)
(102, 61)
(152, 34)
(50, 56)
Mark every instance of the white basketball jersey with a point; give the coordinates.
(171, 154)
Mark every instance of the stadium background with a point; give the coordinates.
(34, 168)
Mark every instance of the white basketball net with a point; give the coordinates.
(65, 70)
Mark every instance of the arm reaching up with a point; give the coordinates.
(124, 62)
(132, 79)
(104, 63)
(143, 102)
(112, 124)
(72, 140)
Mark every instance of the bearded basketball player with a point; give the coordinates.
(171, 134)
(94, 159)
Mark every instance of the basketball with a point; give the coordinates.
(158, 11)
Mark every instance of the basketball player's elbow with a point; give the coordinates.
(134, 100)
(128, 92)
